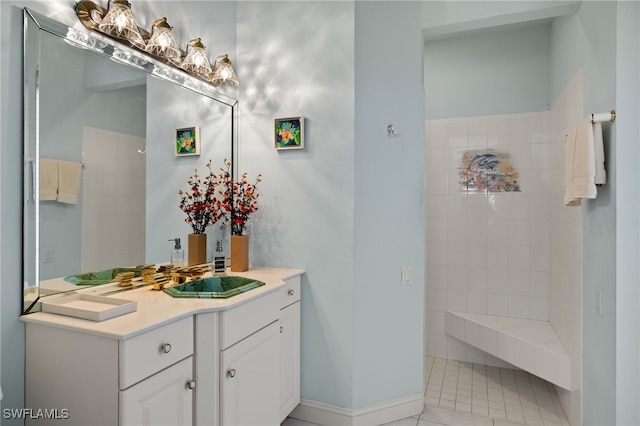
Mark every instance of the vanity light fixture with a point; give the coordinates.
(119, 23)
(223, 73)
(196, 61)
(162, 42)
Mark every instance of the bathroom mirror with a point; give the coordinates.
(101, 171)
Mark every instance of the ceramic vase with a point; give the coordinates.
(197, 249)
(239, 253)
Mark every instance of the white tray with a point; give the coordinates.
(90, 307)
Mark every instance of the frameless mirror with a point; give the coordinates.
(101, 171)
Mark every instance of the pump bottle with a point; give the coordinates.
(177, 254)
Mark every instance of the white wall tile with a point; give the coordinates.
(457, 254)
(457, 300)
(457, 229)
(438, 159)
(498, 280)
(438, 133)
(477, 279)
(457, 278)
(519, 232)
(436, 206)
(477, 302)
(519, 257)
(438, 182)
(437, 276)
(437, 229)
(498, 231)
(497, 132)
(498, 255)
(498, 304)
(458, 132)
(520, 129)
(477, 255)
(519, 282)
(477, 133)
(456, 205)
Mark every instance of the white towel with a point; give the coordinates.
(48, 179)
(69, 174)
(580, 165)
(598, 146)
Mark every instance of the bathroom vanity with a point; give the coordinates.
(174, 361)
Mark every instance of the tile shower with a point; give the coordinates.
(113, 194)
(512, 249)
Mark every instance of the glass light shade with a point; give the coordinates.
(119, 23)
(223, 74)
(162, 42)
(196, 61)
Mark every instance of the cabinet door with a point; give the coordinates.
(250, 380)
(163, 399)
(289, 359)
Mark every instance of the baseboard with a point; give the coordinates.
(378, 414)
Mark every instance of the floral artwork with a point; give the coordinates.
(289, 133)
(482, 171)
(187, 141)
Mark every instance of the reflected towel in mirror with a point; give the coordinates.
(48, 179)
(69, 174)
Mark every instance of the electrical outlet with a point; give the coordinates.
(406, 275)
(599, 302)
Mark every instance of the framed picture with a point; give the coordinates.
(289, 133)
(187, 141)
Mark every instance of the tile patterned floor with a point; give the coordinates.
(466, 394)
(498, 393)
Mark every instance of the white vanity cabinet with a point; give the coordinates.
(213, 362)
(258, 357)
(145, 380)
(290, 348)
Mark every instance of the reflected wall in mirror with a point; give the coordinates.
(115, 124)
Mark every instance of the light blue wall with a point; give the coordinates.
(495, 71)
(627, 129)
(389, 199)
(587, 40)
(169, 107)
(297, 58)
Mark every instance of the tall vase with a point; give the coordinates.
(197, 249)
(239, 253)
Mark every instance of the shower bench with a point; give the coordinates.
(531, 345)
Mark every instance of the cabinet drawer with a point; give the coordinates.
(246, 319)
(150, 352)
(290, 292)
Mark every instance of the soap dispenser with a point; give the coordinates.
(219, 259)
(177, 254)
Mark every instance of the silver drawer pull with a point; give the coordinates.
(231, 372)
(290, 292)
(166, 348)
(191, 384)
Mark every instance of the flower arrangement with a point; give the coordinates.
(200, 202)
(239, 198)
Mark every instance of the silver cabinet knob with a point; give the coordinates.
(290, 292)
(166, 348)
(281, 329)
(231, 372)
(191, 384)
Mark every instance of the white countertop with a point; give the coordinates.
(156, 308)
